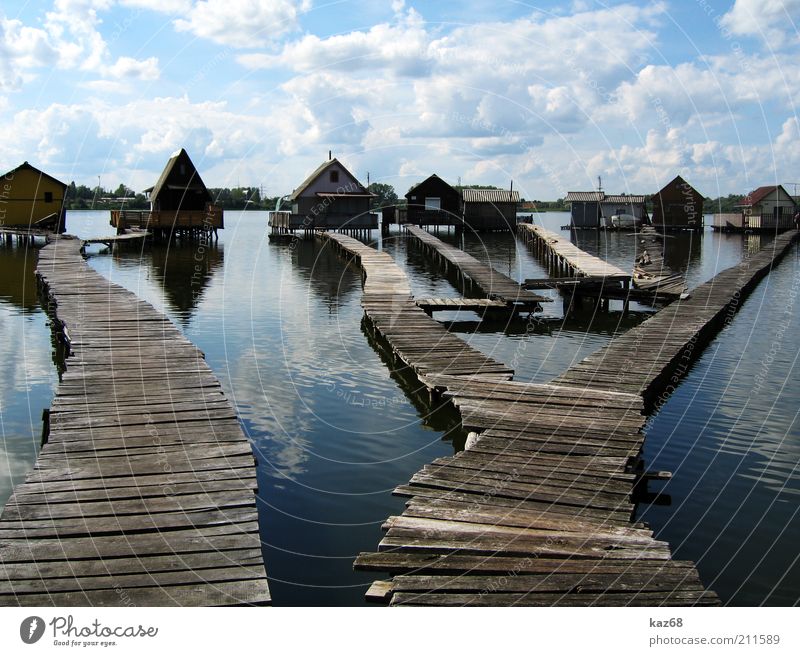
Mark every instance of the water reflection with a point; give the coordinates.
(323, 269)
(18, 277)
(184, 270)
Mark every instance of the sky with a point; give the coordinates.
(549, 95)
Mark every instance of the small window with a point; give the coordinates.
(48, 196)
(433, 204)
(334, 176)
(183, 169)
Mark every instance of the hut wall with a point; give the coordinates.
(26, 197)
(490, 216)
(585, 214)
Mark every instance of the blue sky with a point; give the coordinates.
(550, 95)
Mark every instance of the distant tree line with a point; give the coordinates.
(81, 197)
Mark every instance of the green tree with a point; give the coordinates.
(385, 194)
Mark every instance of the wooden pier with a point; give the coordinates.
(491, 282)
(479, 305)
(566, 259)
(537, 510)
(144, 491)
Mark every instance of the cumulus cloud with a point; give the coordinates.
(774, 21)
(242, 23)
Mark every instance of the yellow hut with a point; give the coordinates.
(29, 198)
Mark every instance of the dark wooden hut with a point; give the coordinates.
(678, 206)
(433, 202)
(180, 203)
(489, 209)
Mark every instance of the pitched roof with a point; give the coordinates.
(677, 181)
(624, 199)
(430, 177)
(489, 196)
(29, 167)
(197, 181)
(757, 195)
(319, 171)
(584, 196)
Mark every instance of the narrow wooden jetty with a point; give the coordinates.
(490, 281)
(125, 237)
(144, 492)
(537, 510)
(454, 304)
(416, 340)
(650, 272)
(657, 352)
(566, 259)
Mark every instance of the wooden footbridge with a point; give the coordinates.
(566, 259)
(538, 510)
(490, 281)
(144, 492)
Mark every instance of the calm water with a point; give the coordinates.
(335, 431)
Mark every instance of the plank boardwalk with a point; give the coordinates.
(537, 510)
(566, 258)
(650, 272)
(653, 355)
(144, 493)
(493, 283)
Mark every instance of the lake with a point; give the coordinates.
(334, 432)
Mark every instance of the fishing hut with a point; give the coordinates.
(488, 210)
(765, 208)
(433, 202)
(180, 204)
(678, 206)
(597, 209)
(31, 203)
(330, 198)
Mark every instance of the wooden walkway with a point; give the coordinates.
(416, 340)
(645, 359)
(491, 282)
(537, 510)
(144, 493)
(566, 258)
(650, 273)
(454, 304)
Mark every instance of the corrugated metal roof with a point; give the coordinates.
(600, 196)
(584, 196)
(625, 199)
(489, 196)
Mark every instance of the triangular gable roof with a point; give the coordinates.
(197, 181)
(29, 167)
(319, 171)
(430, 177)
(677, 180)
(757, 195)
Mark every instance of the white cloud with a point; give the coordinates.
(22, 48)
(129, 68)
(774, 21)
(242, 23)
(163, 6)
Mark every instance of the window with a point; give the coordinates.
(183, 169)
(433, 204)
(334, 176)
(48, 196)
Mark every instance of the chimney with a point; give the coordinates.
(330, 157)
